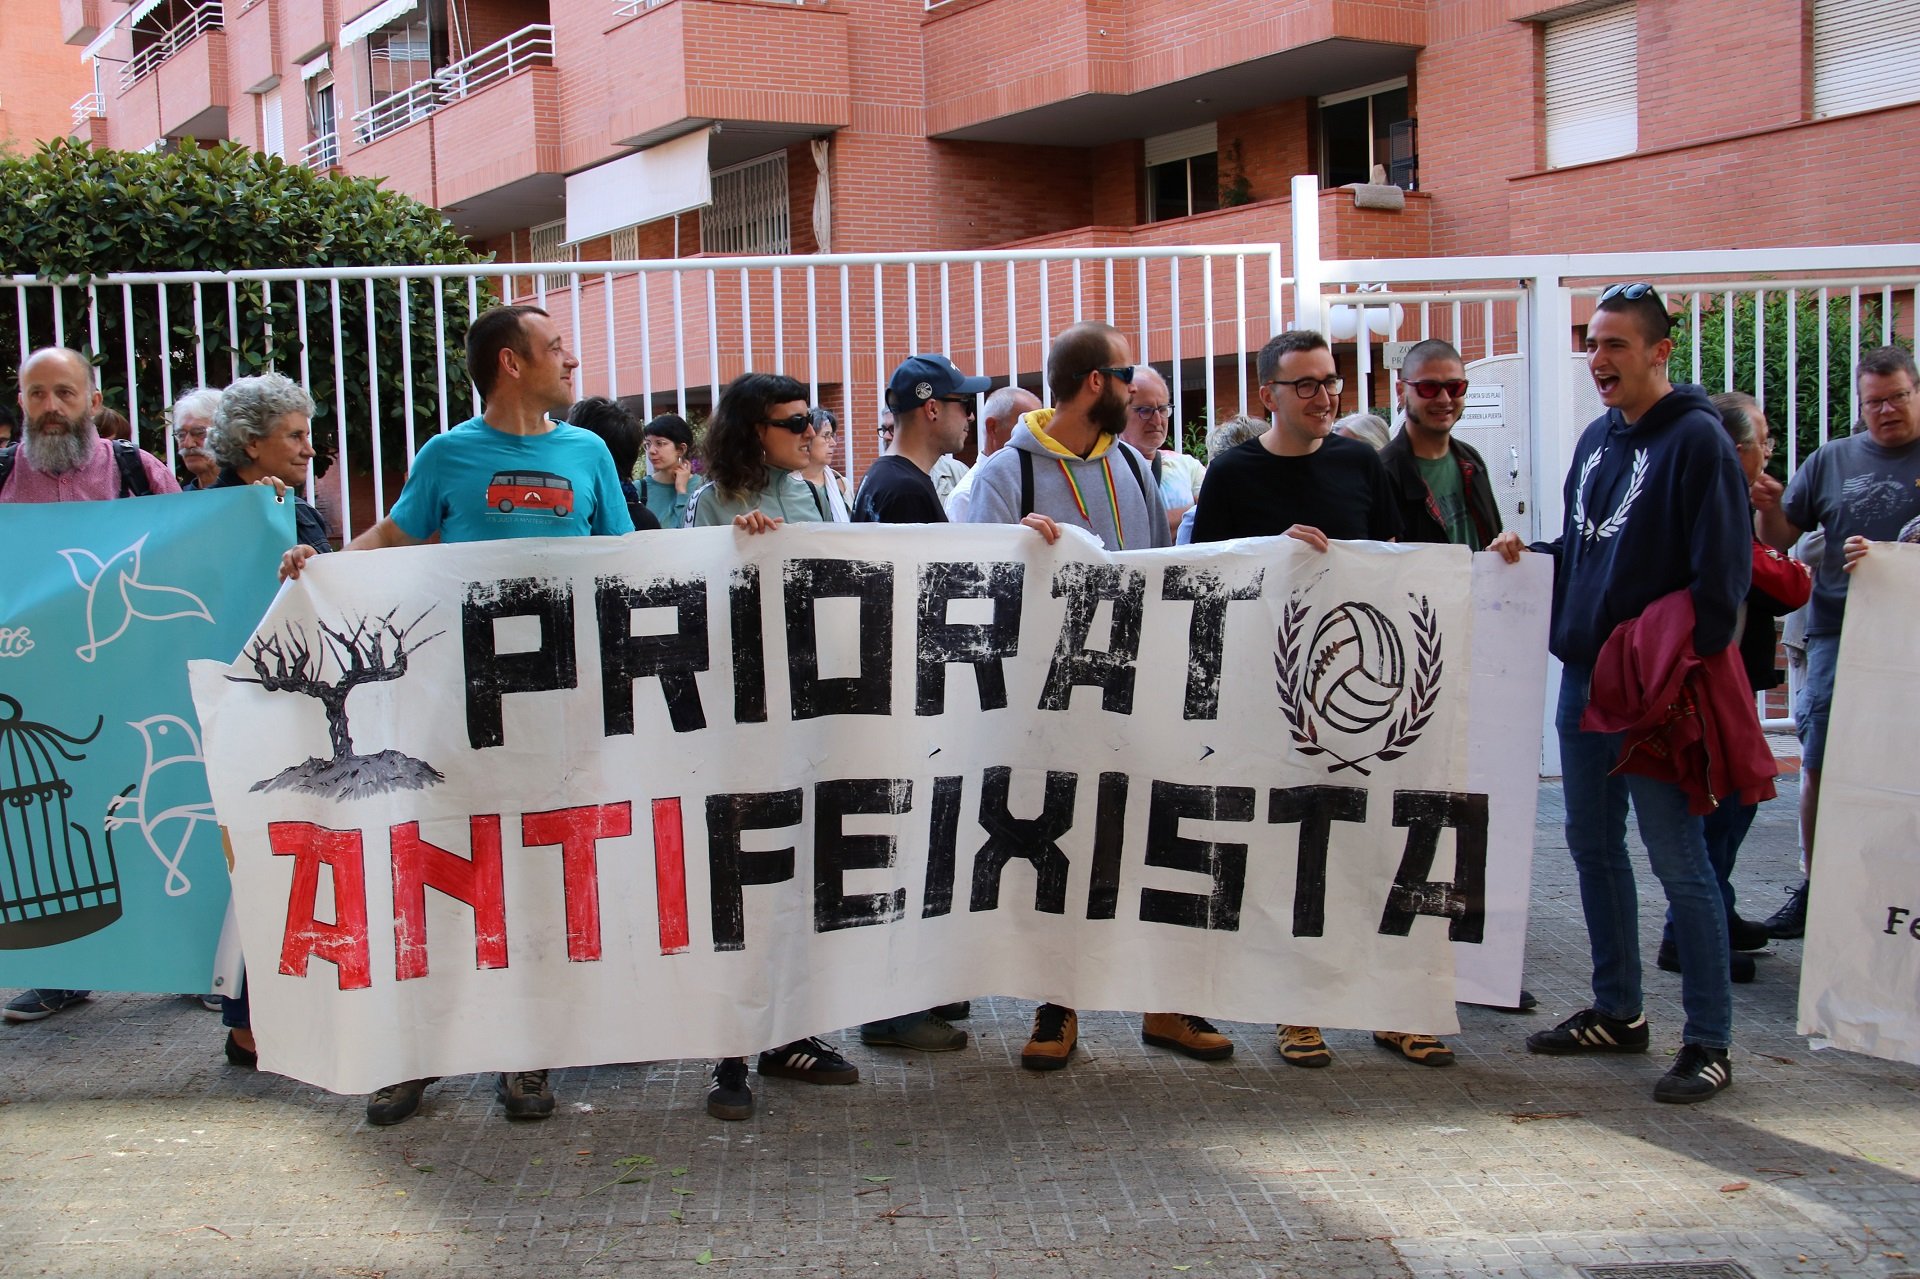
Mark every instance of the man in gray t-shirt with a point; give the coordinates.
(1866, 485)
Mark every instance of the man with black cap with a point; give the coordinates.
(931, 401)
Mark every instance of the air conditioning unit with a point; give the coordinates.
(1403, 155)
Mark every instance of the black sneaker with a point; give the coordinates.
(525, 1094)
(1790, 921)
(1698, 1072)
(396, 1102)
(1740, 966)
(811, 1061)
(1591, 1031)
(954, 1012)
(730, 1096)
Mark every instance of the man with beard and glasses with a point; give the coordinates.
(61, 458)
(1069, 464)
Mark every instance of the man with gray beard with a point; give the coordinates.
(61, 458)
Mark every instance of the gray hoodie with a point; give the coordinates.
(1086, 492)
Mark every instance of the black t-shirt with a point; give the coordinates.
(895, 491)
(1341, 489)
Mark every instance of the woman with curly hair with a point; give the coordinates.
(757, 446)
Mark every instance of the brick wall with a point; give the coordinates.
(40, 78)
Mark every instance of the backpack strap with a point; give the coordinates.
(6, 463)
(1026, 483)
(133, 471)
(1133, 464)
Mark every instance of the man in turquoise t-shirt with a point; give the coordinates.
(511, 472)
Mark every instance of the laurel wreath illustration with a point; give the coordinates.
(1613, 523)
(1406, 728)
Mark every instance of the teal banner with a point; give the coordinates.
(112, 871)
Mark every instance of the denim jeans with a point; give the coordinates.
(1724, 829)
(1597, 838)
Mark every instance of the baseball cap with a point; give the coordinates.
(929, 377)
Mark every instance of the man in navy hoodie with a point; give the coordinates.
(1655, 503)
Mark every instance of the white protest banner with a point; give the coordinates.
(1860, 980)
(516, 805)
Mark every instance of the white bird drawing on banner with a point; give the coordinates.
(116, 595)
(171, 799)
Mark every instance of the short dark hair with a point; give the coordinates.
(616, 428)
(1285, 343)
(1076, 353)
(496, 329)
(1887, 361)
(671, 426)
(736, 461)
(1651, 313)
(1429, 349)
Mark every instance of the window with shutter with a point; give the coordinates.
(1866, 54)
(1592, 86)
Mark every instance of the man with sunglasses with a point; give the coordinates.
(1068, 465)
(1440, 482)
(1655, 503)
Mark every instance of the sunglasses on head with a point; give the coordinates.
(1427, 388)
(1631, 292)
(799, 423)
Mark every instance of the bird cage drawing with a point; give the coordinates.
(54, 885)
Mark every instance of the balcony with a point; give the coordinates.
(323, 153)
(254, 62)
(205, 17)
(81, 20)
(306, 30)
(89, 108)
(496, 155)
(526, 48)
(1115, 69)
(681, 68)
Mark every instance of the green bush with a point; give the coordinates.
(73, 212)
(1806, 372)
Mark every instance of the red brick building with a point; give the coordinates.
(572, 129)
(40, 78)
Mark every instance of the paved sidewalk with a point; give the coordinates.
(128, 1147)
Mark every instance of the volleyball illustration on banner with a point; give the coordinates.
(1350, 677)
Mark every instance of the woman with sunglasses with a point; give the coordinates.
(757, 444)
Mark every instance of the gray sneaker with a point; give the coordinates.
(927, 1033)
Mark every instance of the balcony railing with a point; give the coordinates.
(628, 8)
(323, 152)
(91, 107)
(202, 18)
(528, 47)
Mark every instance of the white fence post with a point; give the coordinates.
(1307, 275)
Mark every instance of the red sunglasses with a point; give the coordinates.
(1456, 387)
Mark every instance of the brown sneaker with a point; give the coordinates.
(1423, 1049)
(1302, 1046)
(1194, 1036)
(1056, 1031)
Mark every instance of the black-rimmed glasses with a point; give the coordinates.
(1307, 387)
(1124, 373)
(799, 423)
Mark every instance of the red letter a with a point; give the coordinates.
(342, 943)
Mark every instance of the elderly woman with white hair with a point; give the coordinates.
(192, 420)
(263, 433)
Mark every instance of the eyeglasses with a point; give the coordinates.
(799, 423)
(1895, 401)
(1307, 387)
(1148, 412)
(1427, 388)
(1124, 372)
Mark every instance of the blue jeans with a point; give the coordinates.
(1597, 838)
(1724, 829)
(1816, 699)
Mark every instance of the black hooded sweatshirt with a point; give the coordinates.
(1651, 508)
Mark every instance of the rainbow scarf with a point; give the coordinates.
(1113, 496)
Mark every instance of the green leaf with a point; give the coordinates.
(705, 1257)
(679, 1172)
(877, 1180)
(681, 1190)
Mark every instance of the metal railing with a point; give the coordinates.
(630, 8)
(531, 46)
(202, 18)
(91, 106)
(323, 152)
